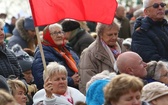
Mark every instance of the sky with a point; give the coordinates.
(15, 8)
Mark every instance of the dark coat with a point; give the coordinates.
(8, 63)
(150, 39)
(51, 55)
(81, 41)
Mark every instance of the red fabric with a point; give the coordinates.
(51, 11)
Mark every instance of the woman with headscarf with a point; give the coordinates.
(55, 49)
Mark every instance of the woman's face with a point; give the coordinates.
(161, 100)
(57, 35)
(131, 98)
(20, 96)
(110, 36)
(59, 82)
(2, 36)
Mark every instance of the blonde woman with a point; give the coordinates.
(18, 90)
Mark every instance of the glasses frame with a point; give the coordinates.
(156, 5)
(57, 33)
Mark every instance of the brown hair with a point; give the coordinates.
(120, 85)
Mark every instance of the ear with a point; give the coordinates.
(129, 71)
(146, 11)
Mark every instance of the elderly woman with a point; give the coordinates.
(18, 90)
(101, 54)
(156, 93)
(55, 49)
(56, 91)
(124, 89)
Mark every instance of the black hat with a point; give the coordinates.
(69, 25)
(3, 83)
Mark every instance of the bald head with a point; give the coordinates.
(125, 60)
(131, 63)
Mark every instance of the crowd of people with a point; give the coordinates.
(87, 63)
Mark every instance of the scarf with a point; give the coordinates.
(68, 58)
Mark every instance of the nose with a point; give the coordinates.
(136, 102)
(145, 64)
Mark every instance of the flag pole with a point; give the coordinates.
(41, 49)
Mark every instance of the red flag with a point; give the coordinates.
(50, 11)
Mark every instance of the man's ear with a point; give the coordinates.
(129, 71)
(146, 11)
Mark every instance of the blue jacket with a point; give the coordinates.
(150, 39)
(50, 55)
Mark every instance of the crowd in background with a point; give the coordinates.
(87, 63)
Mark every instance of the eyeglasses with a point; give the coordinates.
(156, 5)
(57, 33)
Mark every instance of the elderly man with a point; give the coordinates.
(131, 63)
(150, 37)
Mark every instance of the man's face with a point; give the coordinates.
(2, 35)
(138, 67)
(155, 12)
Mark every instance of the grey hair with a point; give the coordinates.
(52, 69)
(146, 3)
(2, 23)
(101, 27)
(52, 26)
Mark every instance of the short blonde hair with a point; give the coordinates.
(14, 84)
(6, 98)
(101, 27)
(120, 85)
(52, 68)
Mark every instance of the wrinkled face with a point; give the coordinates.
(57, 35)
(20, 96)
(161, 100)
(28, 76)
(131, 98)
(2, 35)
(138, 67)
(156, 13)
(110, 36)
(59, 82)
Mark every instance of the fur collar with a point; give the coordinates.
(20, 27)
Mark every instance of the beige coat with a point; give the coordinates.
(93, 60)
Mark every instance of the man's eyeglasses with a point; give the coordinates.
(57, 33)
(156, 5)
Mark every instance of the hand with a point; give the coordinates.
(29, 51)
(48, 87)
(76, 78)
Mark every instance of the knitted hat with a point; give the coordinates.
(95, 94)
(29, 23)
(69, 25)
(153, 91)
(24, 59)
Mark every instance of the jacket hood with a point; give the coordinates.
(20, 28)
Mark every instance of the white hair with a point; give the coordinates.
(146, 3)
(52, 26)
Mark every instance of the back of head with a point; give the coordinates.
(70, 25)
(3, 84)
(6, 98)
(153, 90)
